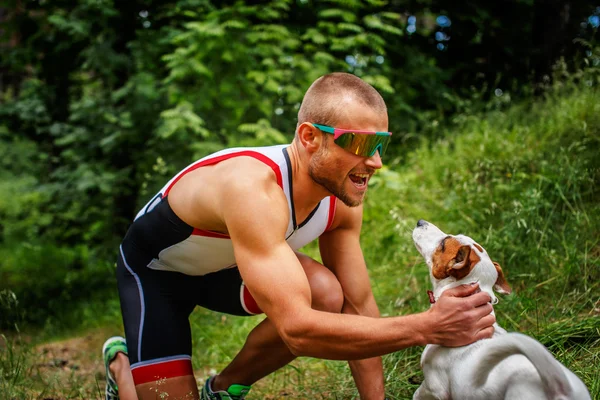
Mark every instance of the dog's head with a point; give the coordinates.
(454, 260)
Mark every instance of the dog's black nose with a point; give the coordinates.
(421, 222)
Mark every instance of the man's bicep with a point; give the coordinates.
(269, 267)
(276, 281)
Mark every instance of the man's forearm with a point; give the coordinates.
(351, 337)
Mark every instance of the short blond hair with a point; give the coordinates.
(324, 101)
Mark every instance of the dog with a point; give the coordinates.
(508, 366)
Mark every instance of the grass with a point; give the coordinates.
(523, 182)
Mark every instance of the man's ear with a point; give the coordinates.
(501, 285)
(310, 137)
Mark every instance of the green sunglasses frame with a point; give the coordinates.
(350, 145)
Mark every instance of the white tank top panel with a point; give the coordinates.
(204, 251)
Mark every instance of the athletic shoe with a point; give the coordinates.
(235, 392)
(111, 347)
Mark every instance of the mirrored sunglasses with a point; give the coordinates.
(362, 143)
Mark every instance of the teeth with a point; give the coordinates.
(362, 175)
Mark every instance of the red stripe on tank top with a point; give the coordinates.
(332, 202)
(213, 234)
(215, 160)
(218, 159)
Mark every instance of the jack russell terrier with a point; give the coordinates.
(508, 366)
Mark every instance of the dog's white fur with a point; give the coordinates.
(509, 366)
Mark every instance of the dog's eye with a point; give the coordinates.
(443, 244)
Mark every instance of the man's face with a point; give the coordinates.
(343, 174)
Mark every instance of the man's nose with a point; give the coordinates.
(374, 161)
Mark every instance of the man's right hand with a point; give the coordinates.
(461, 316)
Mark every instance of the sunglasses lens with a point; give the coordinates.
(363, 145)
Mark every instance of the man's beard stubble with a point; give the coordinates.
(316, 170)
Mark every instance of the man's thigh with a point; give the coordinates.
(224, 291)
(155, 306)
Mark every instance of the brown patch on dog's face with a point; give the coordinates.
(452, 258)
(501, 285)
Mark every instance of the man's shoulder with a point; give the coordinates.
(251, 180)
(244, 171)
(250, 195)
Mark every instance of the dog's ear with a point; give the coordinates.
(461, 260)
(460, 265)
(501, 285)
(452, 258)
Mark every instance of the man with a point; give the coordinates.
(223, 234)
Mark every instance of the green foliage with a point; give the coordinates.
(101, 102)
(238, 65)
(15, 364)
(10, 310)
(45, 283)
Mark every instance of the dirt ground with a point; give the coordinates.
(70, 368)
(73, 369)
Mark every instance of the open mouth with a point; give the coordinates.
(418, 246)
(360, 180)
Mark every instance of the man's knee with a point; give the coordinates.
(326, 290)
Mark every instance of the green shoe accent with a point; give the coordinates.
(235, 392)
(110, 349)
(238, 391)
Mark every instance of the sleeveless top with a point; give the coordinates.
(199, 252)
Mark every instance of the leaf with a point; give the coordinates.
(314, 36)
(343, 26)
(234, 24)
(336, 13)
(375, 22)
(181, 120)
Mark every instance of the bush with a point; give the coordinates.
(47, 281)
